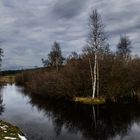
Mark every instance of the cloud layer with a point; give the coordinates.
(29, 27)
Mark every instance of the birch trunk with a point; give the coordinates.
(91, 72)
(95, 76)
(98, 84)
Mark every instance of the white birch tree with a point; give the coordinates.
(96, 41)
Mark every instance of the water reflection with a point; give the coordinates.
(1, 104)
(93, 122)
(52, 120)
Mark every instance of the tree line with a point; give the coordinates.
(96, 72)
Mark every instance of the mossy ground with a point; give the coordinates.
(8, 132)
(89, 100)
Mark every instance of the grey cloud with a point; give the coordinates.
(9, 3)
(126, 30)
(69, 8)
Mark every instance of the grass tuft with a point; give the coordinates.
(89, 100)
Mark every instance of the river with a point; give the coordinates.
(41, 119)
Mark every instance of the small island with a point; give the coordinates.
(10, 132)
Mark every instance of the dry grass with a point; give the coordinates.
(7, 79)
(89, 100)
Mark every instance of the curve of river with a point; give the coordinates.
(48, 120)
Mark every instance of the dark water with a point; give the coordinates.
(49, 120)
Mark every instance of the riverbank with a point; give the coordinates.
(10, 132)
(7, 79)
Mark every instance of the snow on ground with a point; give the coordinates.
(22, 137)
(9, 132)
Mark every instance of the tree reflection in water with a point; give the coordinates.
(1, 104)
(94, 123)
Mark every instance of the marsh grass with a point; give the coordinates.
(89, 100)
(7, 79)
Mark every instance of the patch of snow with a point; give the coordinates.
(22, 137)
(4, 127)
(10, 138)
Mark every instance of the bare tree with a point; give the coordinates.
(96, 43)
(124, 47)
(55, 57)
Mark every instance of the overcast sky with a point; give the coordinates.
(28, 28)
